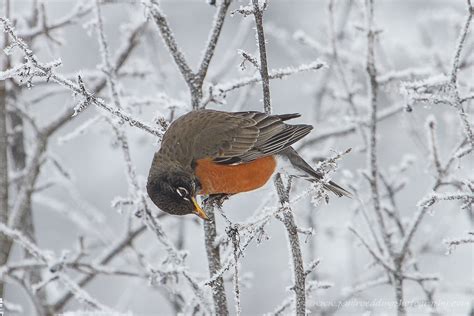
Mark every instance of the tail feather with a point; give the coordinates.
(337, 189)
(313, 175)
(289, 116)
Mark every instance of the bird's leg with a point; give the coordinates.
(216, 199)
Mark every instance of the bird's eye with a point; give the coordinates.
(182, 192)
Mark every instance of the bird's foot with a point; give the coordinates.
(216, 199)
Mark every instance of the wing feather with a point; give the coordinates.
(273, 136)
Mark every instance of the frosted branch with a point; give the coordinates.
(453, 243)
(46, 71)
(263, 69)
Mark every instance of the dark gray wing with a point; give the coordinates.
(229, 138)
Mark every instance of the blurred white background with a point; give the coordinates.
(97, 166)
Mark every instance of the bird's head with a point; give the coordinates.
(174, 192)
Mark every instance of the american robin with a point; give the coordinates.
(207, 152)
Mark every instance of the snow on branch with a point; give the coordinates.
(52, 263)
(453, 243)
(45, 70)
(344, 109)
(221, 89)
(194, 80)
(445, 88)
(432, 198)
(287, 217)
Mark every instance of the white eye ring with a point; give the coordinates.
(182, 192)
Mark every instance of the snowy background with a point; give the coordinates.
(414, 34)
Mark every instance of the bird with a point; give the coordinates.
(210, 153)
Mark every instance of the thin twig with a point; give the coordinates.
(298, 267)
(4, 248)
(372, 152)
(454, 75)
(194, 80)
(258, 14)
(372, 155)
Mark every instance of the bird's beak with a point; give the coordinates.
(198, 210)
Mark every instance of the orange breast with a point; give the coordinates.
(216, 178)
